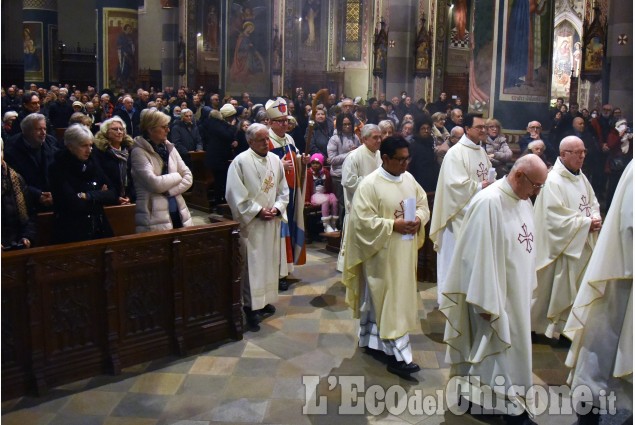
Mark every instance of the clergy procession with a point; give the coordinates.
(521, 257)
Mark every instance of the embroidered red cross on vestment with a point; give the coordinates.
(482, 171)
(526, 237)
(585, 207)
(400, 213)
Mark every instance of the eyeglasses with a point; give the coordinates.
(402, 161)
(577, 153)
(493, 127)
(116, 129)
(479, 127)
(535, 127)
(536, 186)
(281, 121)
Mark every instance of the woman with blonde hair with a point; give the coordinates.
(160, 176)
(439, 132)
(113, 145)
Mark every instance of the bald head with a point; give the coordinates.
(570, 143)
(527, 176)
(578, 124)
(572, 153)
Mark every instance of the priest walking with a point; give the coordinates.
(567, 217)
(257, 194)
(385, 231)
(488, 290)
(463, 173)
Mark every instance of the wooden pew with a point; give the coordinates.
(427, 260)
(120, 217)
(201, 194)
(76, 310)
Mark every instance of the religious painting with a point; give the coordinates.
(567, 56)
(32, 38)
(210, 15)
(526, 51)
(311, 23)
(482, 57)
(249, 38)
(54, 54)
(594, 55)
(423, 50)
(459, 25)
(120, 48)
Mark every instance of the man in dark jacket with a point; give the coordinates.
(185, 136)
(221, 133)
(31, 153)
(130, 115)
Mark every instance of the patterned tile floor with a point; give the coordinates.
(260, 379)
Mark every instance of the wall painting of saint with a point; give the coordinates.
(249, 38)
(526, 51)
(32, 39)
(120, 48)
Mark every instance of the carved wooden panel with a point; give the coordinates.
(77, 310)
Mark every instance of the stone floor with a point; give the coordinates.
(259, 379)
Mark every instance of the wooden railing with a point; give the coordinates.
(77, 310)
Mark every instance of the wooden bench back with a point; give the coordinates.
(120, 217)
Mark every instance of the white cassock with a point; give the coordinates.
(380, 271)
(493, 271)
(357, 165)
(601, 320)
(562, 213)
(464, 168)
(255, 182)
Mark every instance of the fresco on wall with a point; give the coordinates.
(33, 55)
(120, 48)
(567, 57)
(481, 61)
(249, 38)
(526, 51)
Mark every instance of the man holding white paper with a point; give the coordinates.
(386, 230)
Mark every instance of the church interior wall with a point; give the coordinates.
(76, 23)
(150, 36)
(11, 29)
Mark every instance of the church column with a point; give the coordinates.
(401, 17)
(39, 34)
(619, 56)
(170, 48)
(117, 44)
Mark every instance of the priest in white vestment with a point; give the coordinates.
(488, 292)
(258, 195)
(385, 231)
(567, 217)
(464, 172)
(357, 165)
(601, 321)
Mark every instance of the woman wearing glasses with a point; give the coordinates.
(160, 176)
(113, 146)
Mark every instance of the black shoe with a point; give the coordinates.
(376, 354)
(267, 311)
(403, 369)
(283, 285)
(252, 319)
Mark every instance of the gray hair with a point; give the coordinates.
(383, 124)
(253, 129)
(535, 143)
(369, 128)
(29, 122)
(438, 116)
(75, 134)
(8, 115)
(184, 110)
(455, 130)
(261, 116)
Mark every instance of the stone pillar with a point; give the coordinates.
(39, 36)
(170, 48)
(117, 44)
(619, 56)
(402, 18)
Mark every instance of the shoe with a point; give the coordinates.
(403, 369)
(326, 223)
(252, 321)
(283, 285)
(334, 221)
(376, 354)
(267, 310)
